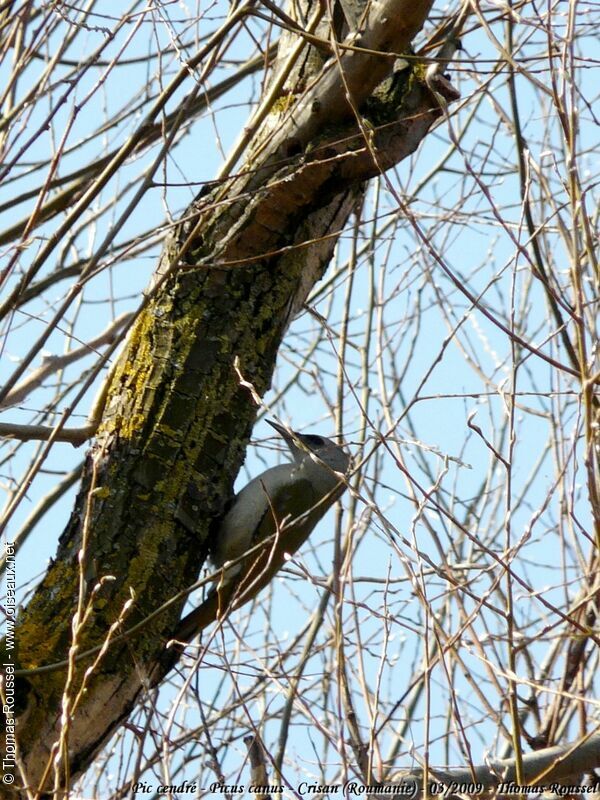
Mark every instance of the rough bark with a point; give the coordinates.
(177, 417)
(554, 768)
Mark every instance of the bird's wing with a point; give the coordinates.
(281, 534)
(248, 509)
(284, 527)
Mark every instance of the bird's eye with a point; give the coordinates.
(312, 441)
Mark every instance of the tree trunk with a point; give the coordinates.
(178, 411)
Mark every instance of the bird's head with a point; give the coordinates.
(301, 446)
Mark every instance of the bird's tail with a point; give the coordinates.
(214, 607)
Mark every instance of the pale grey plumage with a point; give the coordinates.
(287, 492)
(280, 508)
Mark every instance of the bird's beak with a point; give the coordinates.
(284, 433)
